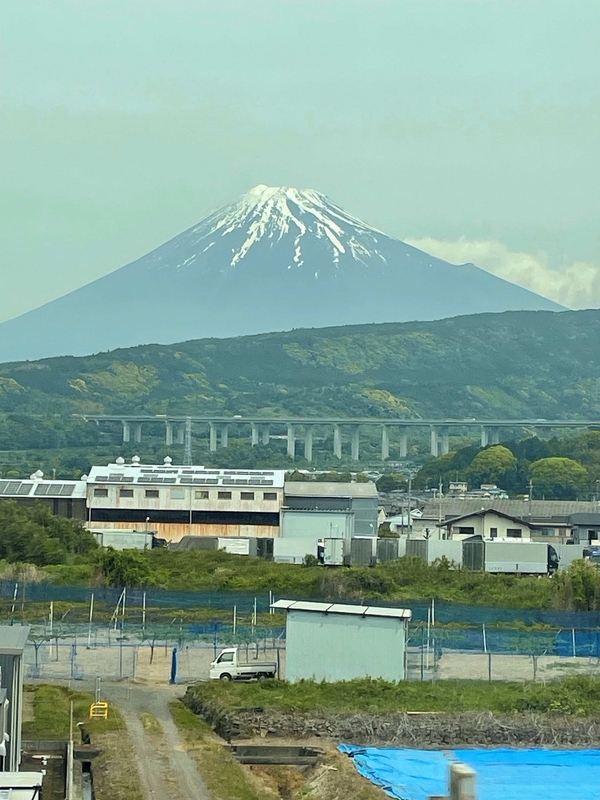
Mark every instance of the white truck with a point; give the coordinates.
(227, 666)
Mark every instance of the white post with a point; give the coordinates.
(124, 598)
(462, 782)
(573, 642)
(428, 634)
(51, 615)
(433, 611)
(234, 619)
(254, 613)
(484, 638)
(144, 610)
(89, 644)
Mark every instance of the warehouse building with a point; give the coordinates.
(314, 511)
(323, 509)
(173, 502)
(63, 498)
(177, 501)
(337, 642)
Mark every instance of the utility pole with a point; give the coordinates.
(187, 443)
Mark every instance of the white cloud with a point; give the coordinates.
(576, 286)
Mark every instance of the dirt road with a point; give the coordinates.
(166, 769)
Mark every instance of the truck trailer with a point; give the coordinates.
(518, 557)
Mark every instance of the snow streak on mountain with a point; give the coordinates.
(277, 259)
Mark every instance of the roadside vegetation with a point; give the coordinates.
(577, 588)
(574, 695)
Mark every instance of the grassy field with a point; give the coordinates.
(572, 696)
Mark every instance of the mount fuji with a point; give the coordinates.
(276, 259)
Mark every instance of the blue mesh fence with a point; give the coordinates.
(445, 613)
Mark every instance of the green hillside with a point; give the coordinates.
(533, 364)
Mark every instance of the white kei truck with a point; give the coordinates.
(227, 666)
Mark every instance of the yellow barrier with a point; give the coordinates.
(99, 711)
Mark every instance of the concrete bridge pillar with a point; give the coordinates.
(291, 441)
(385, 443)
(168, 433)
(212, 437)
(484, 436)
(337, 441)
(180, 431)
(445, 442)
(266, 436)
(137, 432)
(356, 444)
(224, 435)
(403, 443)
(308, 443)
(126, 431)
(254, 434)
(433, 440)
(495, 435)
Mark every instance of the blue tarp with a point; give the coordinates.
(501, 774)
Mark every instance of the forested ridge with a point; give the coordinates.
(515, 364)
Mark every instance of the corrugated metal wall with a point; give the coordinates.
(173, 532)
(336, 647)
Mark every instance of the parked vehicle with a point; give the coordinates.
(229, 667)
(516, 557)
(592, 554)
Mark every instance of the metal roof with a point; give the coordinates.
(179, 475)
(329, 489)
(13, 639)
(537, 510)
(584, 519)
(342, 608)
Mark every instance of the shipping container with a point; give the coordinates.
(334, 551)
(387, 550)
(363, 551)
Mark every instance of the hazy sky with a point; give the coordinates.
(469, 126)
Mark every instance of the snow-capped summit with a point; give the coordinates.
(277, 258)
(288, 217)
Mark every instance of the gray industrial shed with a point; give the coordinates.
(338, 642)
(326, 508)
(12, 644)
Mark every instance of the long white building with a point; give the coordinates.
(177, 501)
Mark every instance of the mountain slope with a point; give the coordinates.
(515, 364)
(277, 259)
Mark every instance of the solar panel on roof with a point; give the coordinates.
(101, 478)
(24, 488)
(66, 490)
(41, 489)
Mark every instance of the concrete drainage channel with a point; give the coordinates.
(275, 755)
(52, 757)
